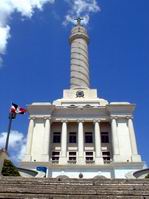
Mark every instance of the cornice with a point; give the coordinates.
(116, 117)
(80, 120)
(47, 118)
(64, 120)
(40, 117)
(97, 120)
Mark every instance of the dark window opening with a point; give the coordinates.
(55, 155)
(56, 137)
(88, 137)
(106, 157)
(72, 157)
(72, 137)
(89, 156)
(105, 137)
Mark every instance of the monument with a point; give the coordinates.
(82, 134)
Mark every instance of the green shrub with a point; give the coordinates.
(9, 169)
(147, 176)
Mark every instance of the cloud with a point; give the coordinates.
(25, 7)
(17, 144)
(80, 8)
(4, 36)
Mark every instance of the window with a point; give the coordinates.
(56, 137)
(106, 157)
(72, 157)
(88, 137)
(89, 156)
(72, 137)
(104, 137)
(55, 156)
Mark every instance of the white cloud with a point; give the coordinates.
(17, 144)
(25, 7)
(81, 8)
(4, 36)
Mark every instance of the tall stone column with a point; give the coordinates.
(29, 140)
(46, 140)
(98, 152)
(135, 156)
(63, 155)
(79, 57)
(81, 159)
(115, 141)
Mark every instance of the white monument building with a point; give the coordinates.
(82, 133)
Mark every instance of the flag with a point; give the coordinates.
(17, 109)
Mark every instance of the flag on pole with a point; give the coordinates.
(14, 110)
(17, 109)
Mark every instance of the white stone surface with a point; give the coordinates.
(90, 98)
(135, 156)
(63, 155)
(27, 156)
(80, 114)
(80, 143)
(79, 58)
(98, 152)
(115, 141)
(124, 140)
(38, 135)
(46, 140)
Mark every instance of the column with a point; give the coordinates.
(81, 159)
(46, 141)
(29, 140)
(98, 152)
(135, 156)
(63, 155)
(79, 57)
(115, 142)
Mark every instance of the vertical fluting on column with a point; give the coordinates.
(80, 143)
(79, 58)
(46, 140)
(115, 141)
(98, 152)
(63, 155)
(29, 140)
(132, 137)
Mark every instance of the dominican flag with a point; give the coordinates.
(17, 109)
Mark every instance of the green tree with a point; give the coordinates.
(9, 169)
(147, 176)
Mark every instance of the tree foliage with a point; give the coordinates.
(147, 176)
(9, 169)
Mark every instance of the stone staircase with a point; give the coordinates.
(52, 188)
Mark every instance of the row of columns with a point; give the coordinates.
(81, 160)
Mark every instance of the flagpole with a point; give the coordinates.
(11, 117)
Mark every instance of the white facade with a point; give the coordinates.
(82, 133)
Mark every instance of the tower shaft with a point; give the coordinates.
(79, 58)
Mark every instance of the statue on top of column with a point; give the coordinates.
(79, 19)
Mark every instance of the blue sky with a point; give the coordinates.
(36, 63)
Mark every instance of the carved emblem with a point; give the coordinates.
(79, 94)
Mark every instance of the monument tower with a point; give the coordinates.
(82, 133)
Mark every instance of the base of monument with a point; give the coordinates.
(136, 158)
(112, 170)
